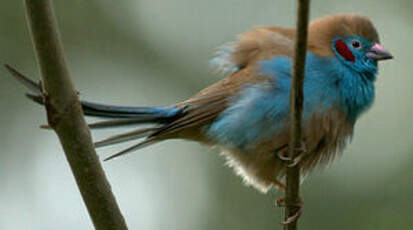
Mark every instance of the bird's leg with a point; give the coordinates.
(283, 153)
(279, 184)
(281, 203)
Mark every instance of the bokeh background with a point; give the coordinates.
(153, 52)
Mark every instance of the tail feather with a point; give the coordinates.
(143, 144)
(136, 114)
(113, 123)
(31, 85)
(141, 114)
(163, 121)
(124, 137)
(116, 116)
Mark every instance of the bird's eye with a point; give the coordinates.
(356, 44)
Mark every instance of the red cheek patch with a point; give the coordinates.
(344, 51)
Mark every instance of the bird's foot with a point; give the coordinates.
(281, 203)
(283, 154)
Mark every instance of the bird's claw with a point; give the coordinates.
(281, 203)
(293, 218)
(283, 155)
(296, 160)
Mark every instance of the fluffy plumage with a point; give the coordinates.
(246, 114)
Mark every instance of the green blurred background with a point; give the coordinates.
(152, 52)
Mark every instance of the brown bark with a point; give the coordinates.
(296, 107)
(65, 116)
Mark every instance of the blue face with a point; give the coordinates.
(352, 50)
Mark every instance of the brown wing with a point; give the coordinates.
(261, 43)
(205, 106)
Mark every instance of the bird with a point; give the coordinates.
(246, 114)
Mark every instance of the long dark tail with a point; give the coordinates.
(115, 116)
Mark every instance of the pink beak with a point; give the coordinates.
(378, 52)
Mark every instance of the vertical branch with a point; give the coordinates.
(296, 108)
(65, 116)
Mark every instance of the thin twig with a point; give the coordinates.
(296, 108)
(65, 116)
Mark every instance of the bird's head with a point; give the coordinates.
(350, 38)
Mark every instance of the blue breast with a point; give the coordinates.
(261, 110)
